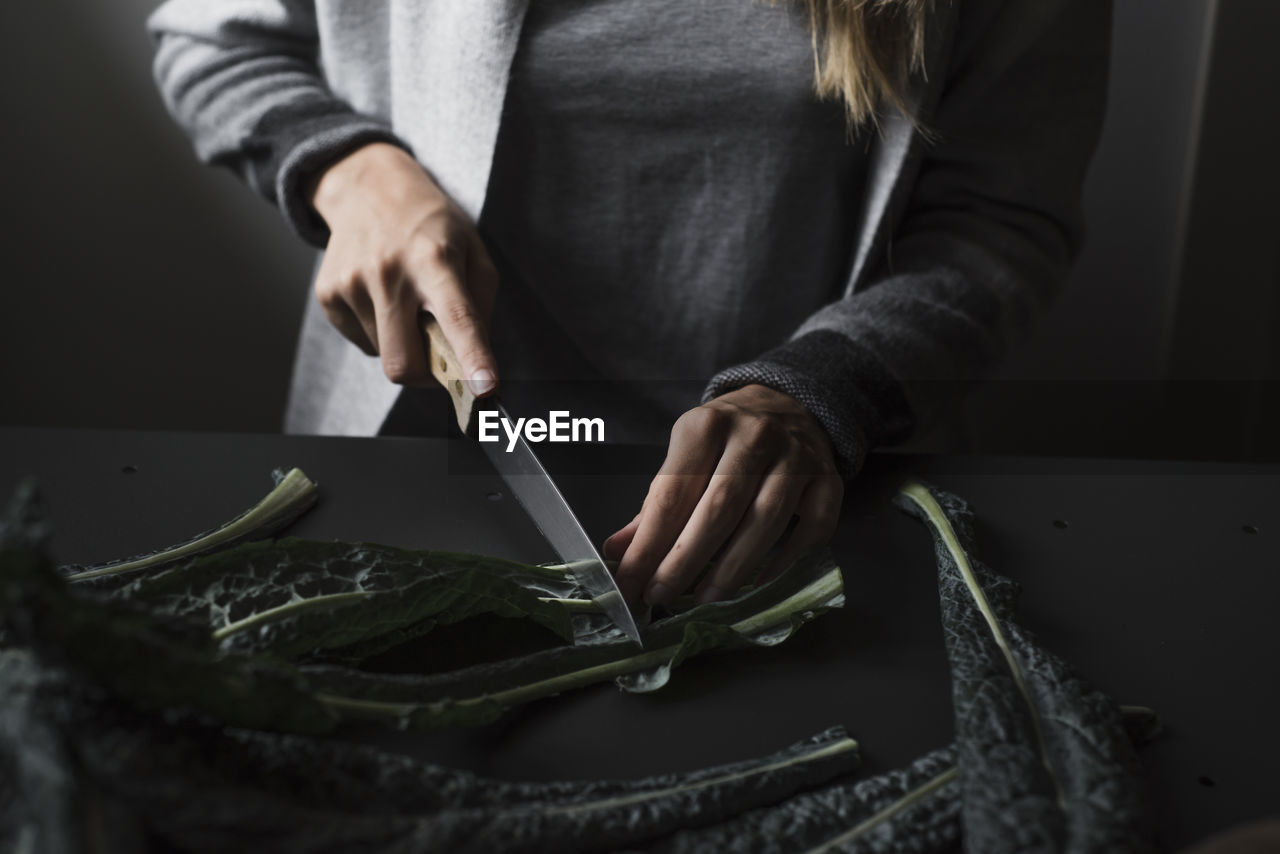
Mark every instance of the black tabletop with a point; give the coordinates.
(1157, 580)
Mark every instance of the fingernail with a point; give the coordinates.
(658, 594)
(711, 594)
(482, 381)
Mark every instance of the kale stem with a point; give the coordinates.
(299, 605)
(920, 494)
(294, 493)
(820, 590)
(580, 605)
(910, 799)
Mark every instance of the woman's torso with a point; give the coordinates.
(667, 198)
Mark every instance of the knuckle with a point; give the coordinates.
(629, 571)
(395, 372)
(639, 563)
(684, 428)
(328, 298)
(440, 251)
(330, 290)
(718, 498)
(674, 576)
(665, 503)
(715, 417)
(770, 504)
(399, 370)
(697, 422)
(760, 430)
(647, 557)
(676, 566)
(460, 314)
(351, 289)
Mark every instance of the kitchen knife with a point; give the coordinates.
(529, 482)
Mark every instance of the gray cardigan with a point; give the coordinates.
(965, 234)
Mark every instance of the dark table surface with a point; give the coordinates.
(1159, 581)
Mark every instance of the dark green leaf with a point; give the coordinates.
(224, 634)
(197, 787)
(1045, 764)
(915, 809)
(293, 597)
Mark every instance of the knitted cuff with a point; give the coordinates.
(856, 401)
(292, 144)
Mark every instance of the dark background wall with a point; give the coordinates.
(142, 290)
(1165, 344)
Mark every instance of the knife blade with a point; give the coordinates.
(538, 494)
(528, 480)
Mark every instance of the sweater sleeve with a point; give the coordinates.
(985, 241)
(243, 80)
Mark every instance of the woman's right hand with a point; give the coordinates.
(399, 246)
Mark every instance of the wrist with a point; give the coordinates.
(828, 408)
(332, 187)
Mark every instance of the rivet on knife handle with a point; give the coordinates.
(446, 368)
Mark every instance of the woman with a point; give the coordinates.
(830, 214)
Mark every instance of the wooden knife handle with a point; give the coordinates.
(446, 368)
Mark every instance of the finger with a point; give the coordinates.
(343, 319)
(696, 444)
(400, 343)
(464, 326)
(357, 300)
(819, 513)
(671, 499)
(346, 304)
(762, 526)
(719, 511)
(619, 541)
(482, 279)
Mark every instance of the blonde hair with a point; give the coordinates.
(864, 53)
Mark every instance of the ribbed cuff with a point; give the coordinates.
(851, 395)
(292, 144)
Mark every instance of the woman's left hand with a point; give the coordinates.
(738, 468)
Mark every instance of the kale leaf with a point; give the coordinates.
(1044, 760)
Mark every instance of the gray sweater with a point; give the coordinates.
(951, 245)
(665, 203)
